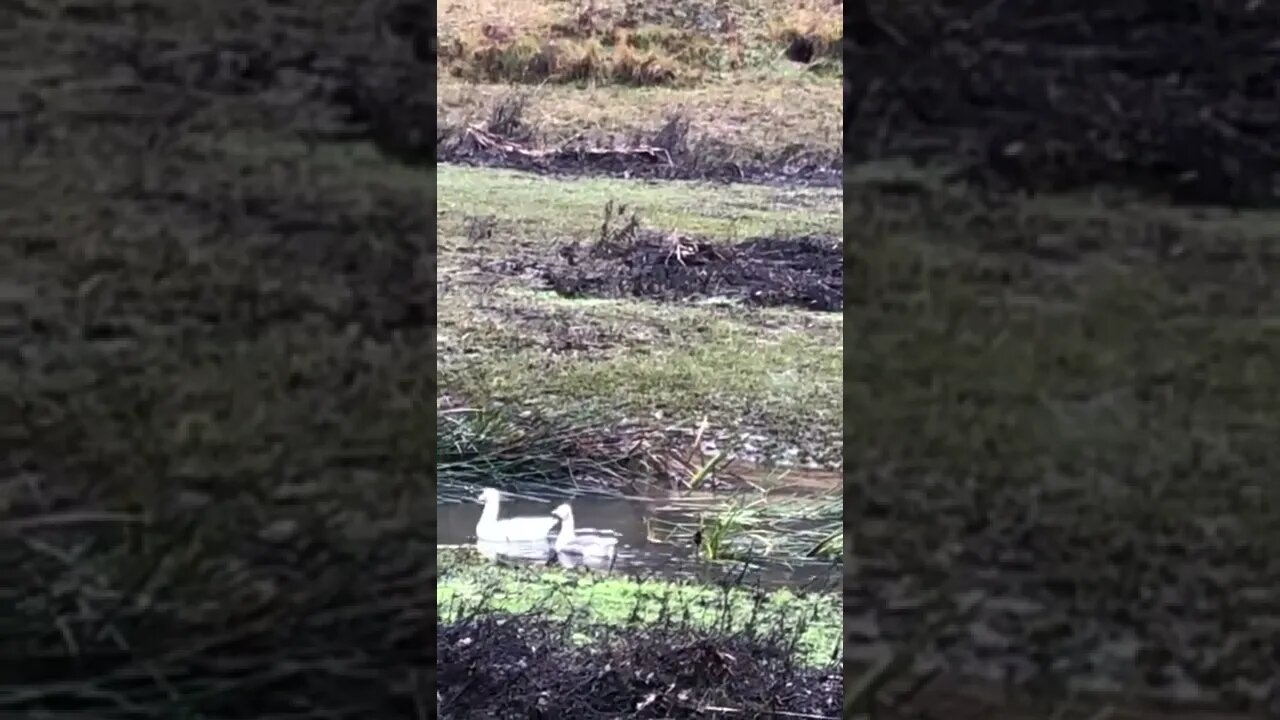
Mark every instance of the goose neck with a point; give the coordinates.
(490, 512)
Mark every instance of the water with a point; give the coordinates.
(637, 555)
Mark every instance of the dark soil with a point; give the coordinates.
(805, 272)
(525, 666)
(708, 160)
(1177, 98)
(1070, 597)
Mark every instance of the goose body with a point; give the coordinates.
(508, 530)
(587, 542)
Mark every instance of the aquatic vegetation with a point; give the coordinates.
(759, 525)
(494, 447)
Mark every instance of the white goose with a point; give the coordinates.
(588, 542)
(516, 529)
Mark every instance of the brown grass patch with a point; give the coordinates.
(626, 43)
(761, 118)
(466, 16)
(494, 56)
(810, 32)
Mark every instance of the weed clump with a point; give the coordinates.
(592, 43)
(532, 59)
(630, 261)
(494, 447)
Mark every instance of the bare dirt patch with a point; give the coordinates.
(492, 666)
(805, 272)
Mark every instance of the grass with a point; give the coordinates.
(617, 71)
(810, 31)
(1061, 379)
(759, 114)
(535, 212)
(509, 449)
(218, 400)
(777, 371)
(467, 584)
(757, 525)
(1065, 338)
(626, 43)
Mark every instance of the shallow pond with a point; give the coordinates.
(638, 553)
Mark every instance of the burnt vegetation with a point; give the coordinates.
(1175, 98)
(528, 665)
(628, 261)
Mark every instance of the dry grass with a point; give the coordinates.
(527, 58)
(760, 119)
(619, 69)
(465, 15)
(676, 42)
(811, 31)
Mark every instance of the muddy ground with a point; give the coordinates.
(798, 272)
(1054, 600)
(1176, 98)
(768, 272)
(666, 155)
(495, 666)
(628, 260)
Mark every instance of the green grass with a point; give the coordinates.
(774, 371)
(537, 211)
(467, 583)
(1122, 349)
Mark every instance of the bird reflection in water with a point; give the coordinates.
(517, 552)
(590, 562)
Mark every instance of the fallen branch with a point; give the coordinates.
(491, 142)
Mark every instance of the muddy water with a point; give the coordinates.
(637, 554)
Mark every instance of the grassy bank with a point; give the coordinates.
(503, 339)
(1069, 337)
(753, 84)
(468, 584)
(1069, 401)
(681, 42)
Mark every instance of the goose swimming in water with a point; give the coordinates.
(516, 529)
(585, 542)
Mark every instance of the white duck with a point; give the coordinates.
(516, 529)
(588, 542)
